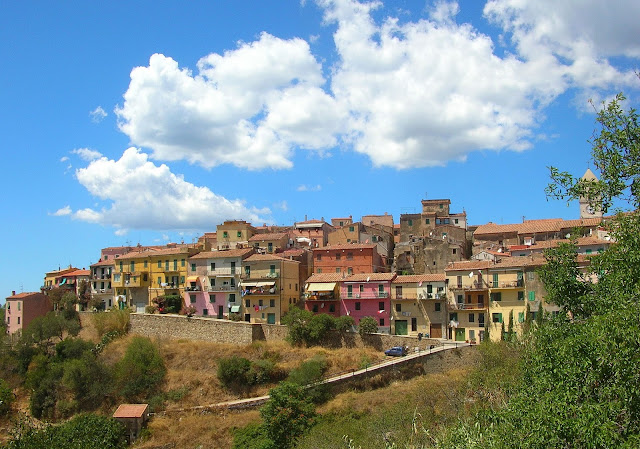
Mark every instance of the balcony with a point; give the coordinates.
(101, 291)
(330, 297)
(193, 289)
(224, 271)
(100, 277)
(261, 275)
(367, 295)
(475, 285)
(467, 306)
(506, 285)
(262, 291)
(222, 288)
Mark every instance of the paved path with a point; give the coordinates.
(389, 361)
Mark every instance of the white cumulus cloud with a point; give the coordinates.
(142, 195)
(66, 210)
(87, 154)
(248, 107)
(306, 188)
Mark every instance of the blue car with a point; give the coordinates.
(396, 351)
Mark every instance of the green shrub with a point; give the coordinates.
(141, 370)
(262, 371)
(367, 325)
(6, 398)
(115, 320)
(252, 436)
(287, 415)
(233, 371)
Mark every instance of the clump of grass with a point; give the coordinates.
(114, 320)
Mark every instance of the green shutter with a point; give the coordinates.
(532, 295)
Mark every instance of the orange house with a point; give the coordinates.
(350, 258)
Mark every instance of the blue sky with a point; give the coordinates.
(150, 122)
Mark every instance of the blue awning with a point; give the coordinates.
(63, 281)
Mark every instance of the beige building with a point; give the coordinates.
(418, 305)
(234, 234)
(270, 286)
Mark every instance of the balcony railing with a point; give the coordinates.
(98, 277)
(97, 291)
(262, 291)
(367, 295)
(475, 285)
(260, 275)
(414, 296)
(513, 284)
(222, 288)
(223, 271)
(322, 297)
(467, 306)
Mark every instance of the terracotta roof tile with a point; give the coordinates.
(78, 273)
(130, 411)
(534, 226)
(346, 246)
(102, 263)
(24, 295)
(372, 277)
(237, 252)
(155, 252)
(270, 236)
(258, 257)
(435, 277)
(325, 277)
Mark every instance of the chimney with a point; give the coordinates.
(13, 293)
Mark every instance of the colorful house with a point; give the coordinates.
(350, 258)
(100, 279)
(213, 289)
(322, 293)
(234, 234)
(269, 287)
(419, 305)
(22, 308)
(367, 294)
(270, 243)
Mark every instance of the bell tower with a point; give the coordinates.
(586, 210)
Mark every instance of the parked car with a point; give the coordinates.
(396, 351)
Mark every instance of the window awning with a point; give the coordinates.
(64, 280)
(321, 286)
(265, 284)
(192, 279)
(250, 284)
(235, 309)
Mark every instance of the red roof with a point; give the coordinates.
(370, 277)
(270, 236)
(346, 246)
(24, 295)
(237, 252)
(101, 263)
(435, 277)
(131, 411)
(325, 277)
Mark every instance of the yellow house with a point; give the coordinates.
(141, 276)
(234, 234)
(269, 287)
(418, 305)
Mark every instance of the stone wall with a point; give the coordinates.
(178, 327)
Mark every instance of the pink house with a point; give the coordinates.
(22, 308)
(367, 294)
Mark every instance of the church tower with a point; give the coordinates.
(586, 210)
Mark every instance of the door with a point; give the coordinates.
(460, 334)
(271, 318)
(435, 330)
(414, 324)
(220, 312)
(247, 317)
(401, 327)
(399, 292)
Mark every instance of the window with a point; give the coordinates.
(429, 288)
(192, 298)
(175, 265)
(453, 316)
(520, 296)
(357, 306)
(352, 228)
(159, 264)
(349, 270)
(205, 312)
(456, 221)
(144, 278)
(437, 307)
(260, 303)
(121, 267)
(332, 307)
(225, 234)
(319, 256)
(495, 279)
(319, 270)
(212, 281)
(247, 303)
(183, 262)
(459, 281)
(270, 247)
(159, 280)
(481, 319)
(239, 234)
(410, 222)
(247, 270)
(496, 296)
(398, 307)
(19, 305)
(213, 266)
(453, 251)
(212, 298)
(232, 297)
(532, 295)
(18, 320)
(349, 256)
(530, 275)
(427, 221)
(472, 318)
(338, 256)
(381, 321)
(338, 270)
(166, 265)
(193, 266)
(350, 291)
(438, 221)
(446, 221)
(589, 251)
(361, 288)
(315, 308)
(146, 263)
(381, 292)
(441, 206)
(182, 279)
(381, 305)
(496, 317)
(272, 303)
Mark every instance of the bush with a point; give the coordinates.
(287, 415)
(115, 320)
(368, 325)
(308, 373)
(140, 371)
(252, 436)
(6, 398)
(233, 370)
(344, 323)
(262, 371)
(150, 309)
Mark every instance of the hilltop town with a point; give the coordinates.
(430, 275)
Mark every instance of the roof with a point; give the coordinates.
(346, 246)
(325, 277)
(236, 252)
(259, 257)
(24, 295)
(292, 252)
(535, 226)
(509, 262)
(435, 277)
(589, 176)
(270, 236)
(544, 244)
(155, 252)
(101, 263)
(78, 273)
(131, 411)
(370, 277)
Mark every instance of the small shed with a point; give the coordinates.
(133, 417)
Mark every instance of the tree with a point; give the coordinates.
(141, 371)
(287, 415)
(344, 323)
(367, 325)
(84, 293)
(297, 320)
(540, 315)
